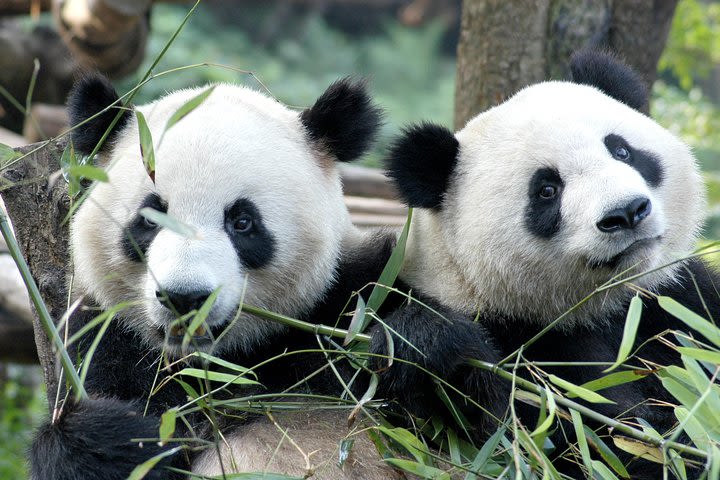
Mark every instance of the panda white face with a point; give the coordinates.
(544, 198)
(560, 188)
(265, 209)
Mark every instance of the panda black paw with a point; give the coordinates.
(92, 439)
(441, 346)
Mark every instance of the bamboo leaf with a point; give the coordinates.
(577, 391)
(144, 468)
(167, 425)
(483, 456)
(582, 441)
(606, 453)
(422, 470)
(88, 171)
(7, 155)
(222, 363)
(614, 379)
(632, 321)
(200, 317)
(357, 322)
(408, 441)
(548, 421)
(188, 107)
(171, 223)
(691, 319)
(391, 270)
(147, 150)
(345, 448)
(701, 354)
(693, 428)
(217, 376)
(638, 448)
(604, 472)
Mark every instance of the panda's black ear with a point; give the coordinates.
(420, 163)
(606, 72)
(344, 120)
(89, 95)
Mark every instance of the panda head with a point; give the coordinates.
(539, 200)
(255, 182)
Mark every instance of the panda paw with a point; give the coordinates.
(441, 346)
(92, 439)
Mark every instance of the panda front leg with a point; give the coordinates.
(94, 438)
(441, 345)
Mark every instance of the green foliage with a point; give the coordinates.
(409, 76)
(693, 45)
(22, 406)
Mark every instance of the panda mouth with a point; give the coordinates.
(175, 333)
(629, 251)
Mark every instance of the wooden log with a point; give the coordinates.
(11, 139)
(45, 121)
(366, 182)
(24, 7)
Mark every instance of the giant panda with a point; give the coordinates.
(522, 214)
(257, 187)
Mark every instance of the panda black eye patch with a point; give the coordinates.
(253, 242)
(542, 214)
(646, 163)
(140, 232)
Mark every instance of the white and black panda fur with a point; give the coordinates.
(529, 208)
(258, 185)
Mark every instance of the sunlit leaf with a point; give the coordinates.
(7, 155)
(222, 363)
(548, 421)
(602, 470)
(693, 428)
(701, 354)
(638, 448)
(632, 321)
(147, 150)
(691, 319)
(614, 379)
(217, 376)
(171, 223)
(167, 425)
(89, 172)
(188, 107)
(577, 391)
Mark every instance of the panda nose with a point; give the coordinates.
(182, 302)
(627, 217)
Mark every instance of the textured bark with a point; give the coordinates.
(501, 49)
(505, 46)
(37, 203)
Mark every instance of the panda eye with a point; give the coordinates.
(243, 224)
(621, 153)
(149, 224)
(548, 191)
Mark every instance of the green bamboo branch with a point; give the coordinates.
(498, 370)
(42, 311)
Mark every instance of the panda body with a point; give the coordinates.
(259, 217)
(563, 191)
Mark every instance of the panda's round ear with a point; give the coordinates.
(91, 94)
(420, 163)
(344, 120)
(606, 72)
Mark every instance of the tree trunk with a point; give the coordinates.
(505, 46)
(37, 203)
